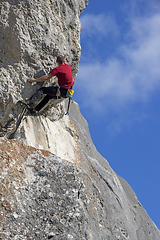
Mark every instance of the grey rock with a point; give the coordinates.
(40, 195)
(32, 34)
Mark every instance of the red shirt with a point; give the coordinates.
(64, 74)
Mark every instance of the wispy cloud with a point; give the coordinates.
(98, 25)
(131, 76)
(126, 119)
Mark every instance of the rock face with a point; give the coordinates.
(40, 196)
(32, 34)
(53, 182)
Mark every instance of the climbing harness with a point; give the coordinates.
(58, 93)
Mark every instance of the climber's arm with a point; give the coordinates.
(40, 79)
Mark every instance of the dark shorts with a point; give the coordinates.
(51, 93)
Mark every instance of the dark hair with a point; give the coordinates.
(60, 59)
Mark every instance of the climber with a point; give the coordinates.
(65, 80)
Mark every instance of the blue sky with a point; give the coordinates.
(118, 91)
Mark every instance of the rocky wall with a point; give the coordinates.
(32, 34)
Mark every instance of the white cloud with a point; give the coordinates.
(132, 76)
(99, 25)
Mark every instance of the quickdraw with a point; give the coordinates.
(69, 95)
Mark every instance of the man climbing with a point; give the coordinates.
(65, 80)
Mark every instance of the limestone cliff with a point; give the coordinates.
(53, 182)
(32, 34)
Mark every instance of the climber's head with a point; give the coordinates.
(60, 60)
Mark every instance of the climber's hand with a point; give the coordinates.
(31, 80)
